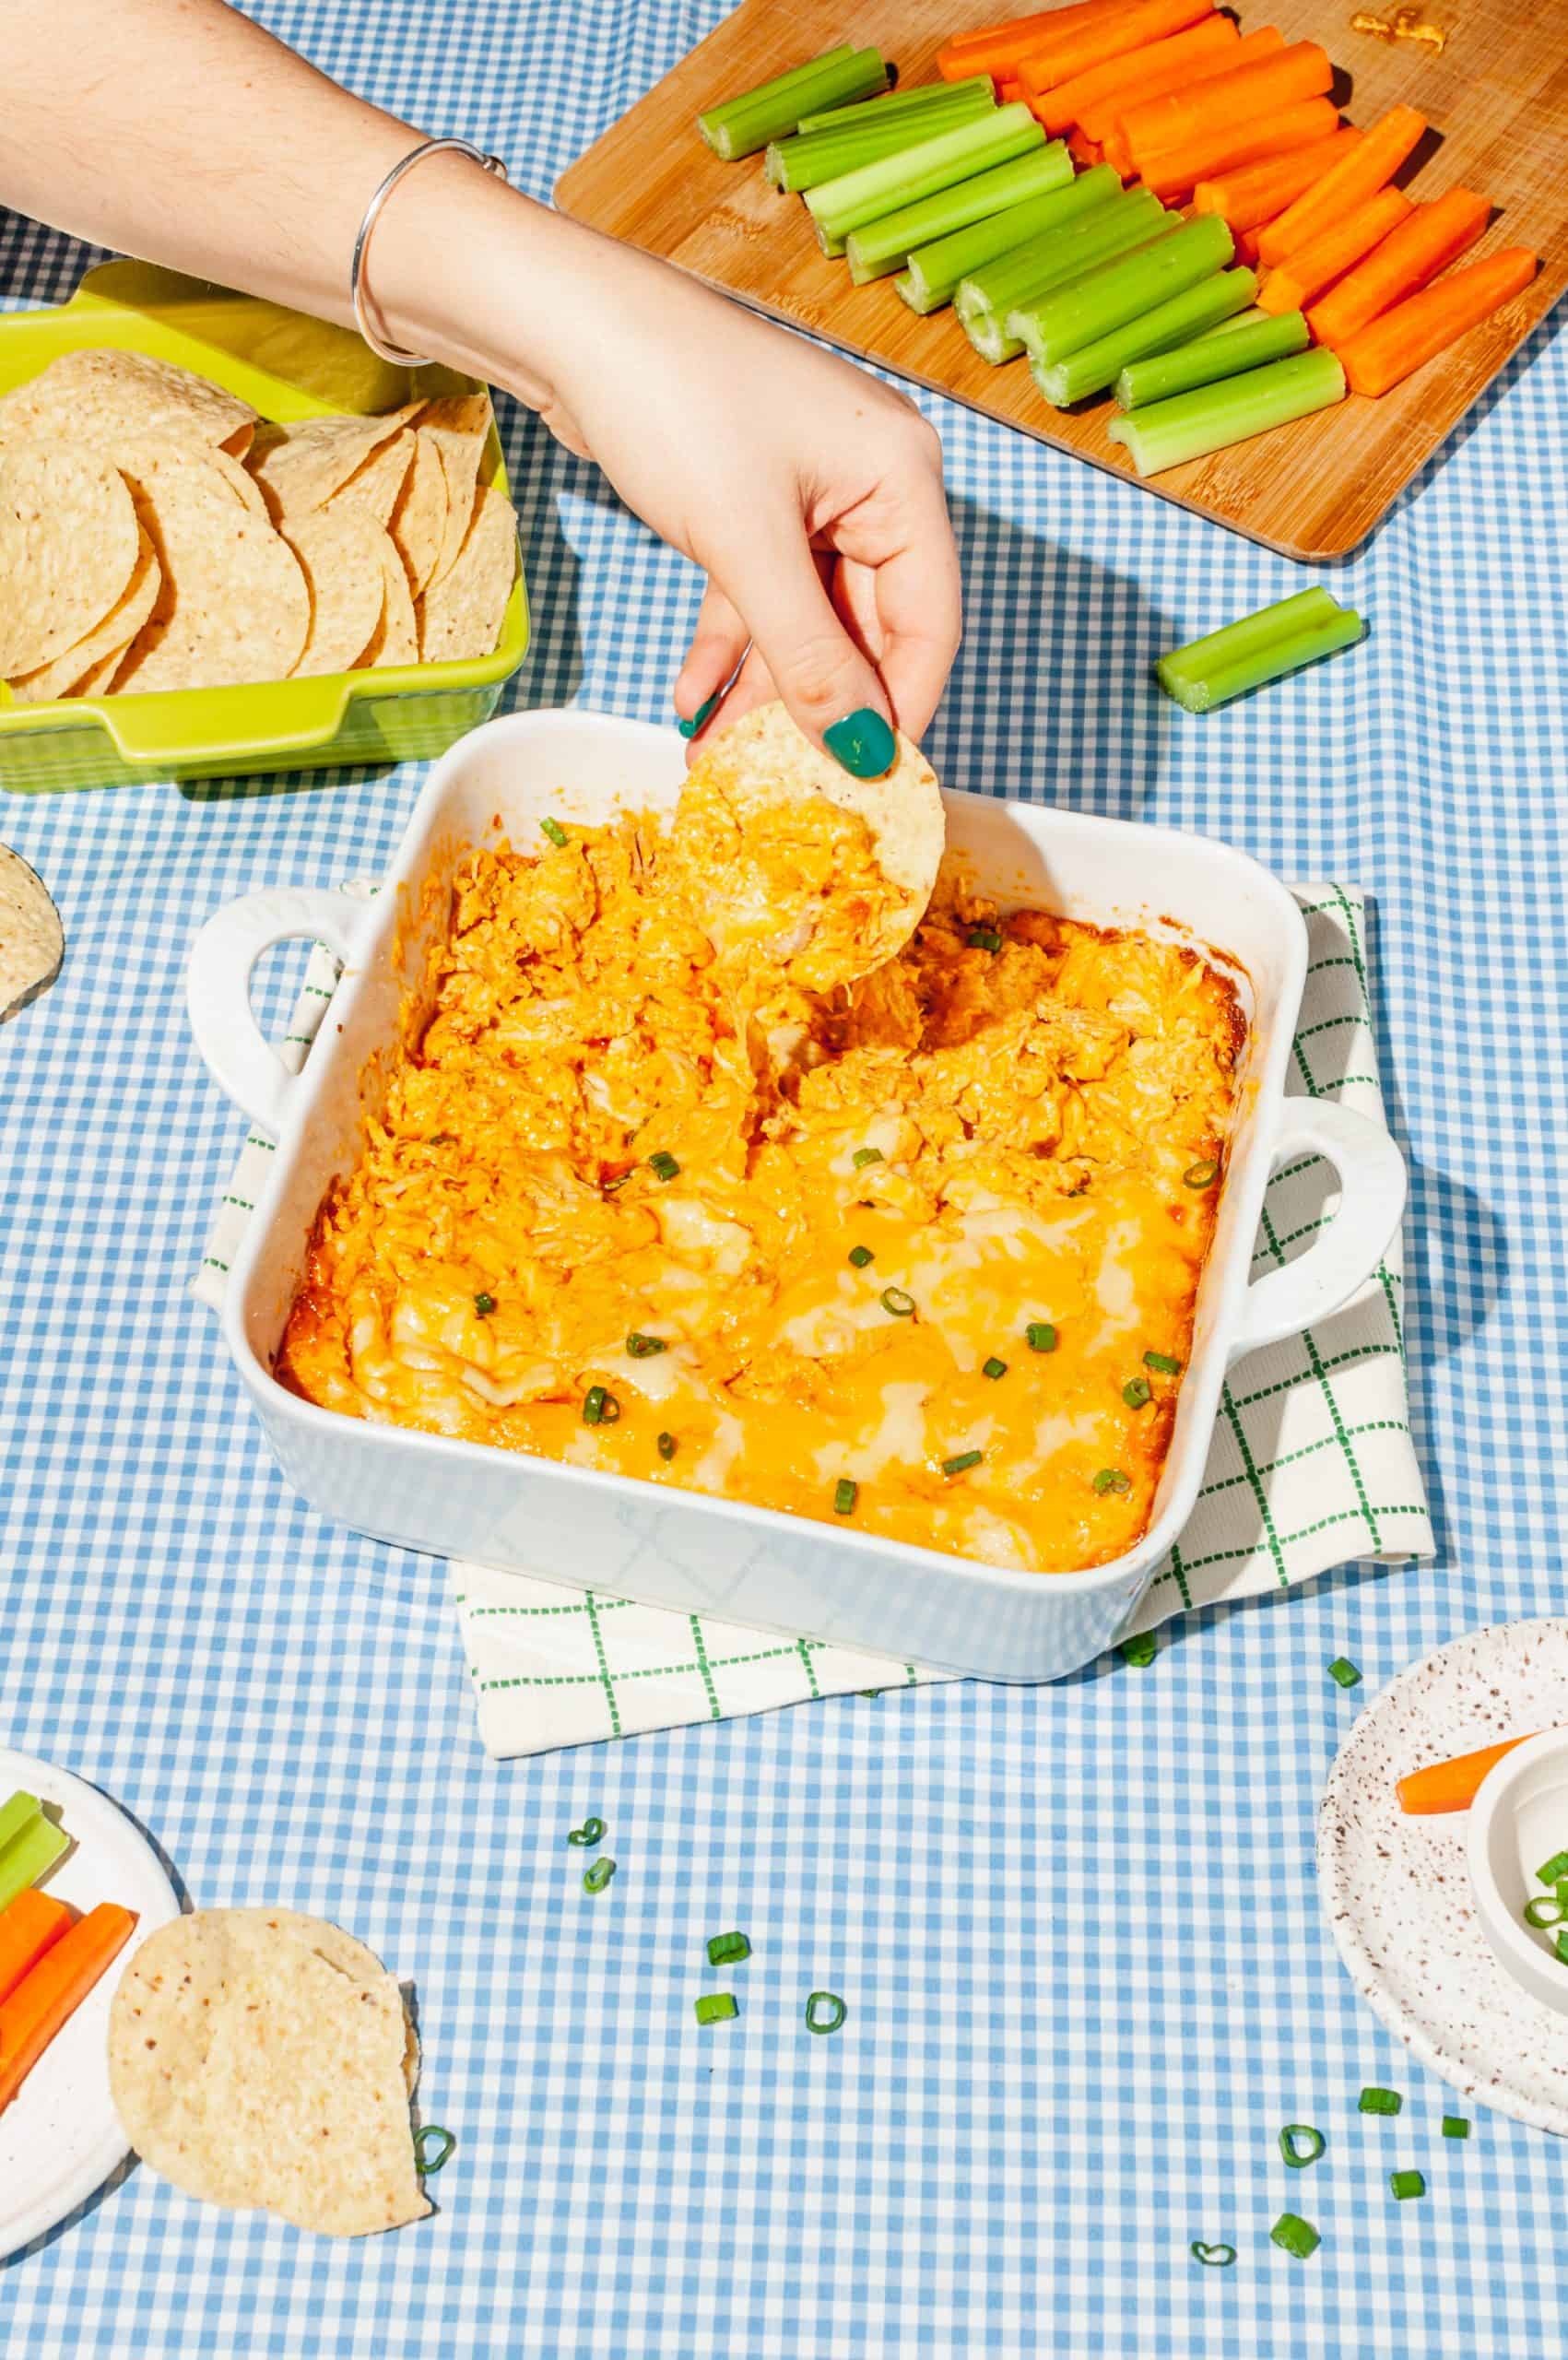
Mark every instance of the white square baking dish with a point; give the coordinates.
(683, 1550)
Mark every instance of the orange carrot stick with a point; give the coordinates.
(1451, 1786)
(1417, 330)
(1346, 184)
(1104, 119)
(28, 1926)
(1023, 28)
(1007, 92)
(1310, 268)
(1434, 236)
(1183, 117)
(1116, 35)
(1175, 170)
(1146, 73)
(1084, 152)
(996, 48)
(1247, 198)
(45, 2000)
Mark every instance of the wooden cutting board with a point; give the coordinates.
(1497, 98)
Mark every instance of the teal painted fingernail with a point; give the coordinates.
(863, 743)
(690, 729)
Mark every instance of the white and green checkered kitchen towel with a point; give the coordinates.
(1310, 1466)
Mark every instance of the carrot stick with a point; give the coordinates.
(996, 48)
(1311, 268)
(1431, 238)
(1417, 330)
(1084, 152)
(28, 1926)
(1146, 73)
(1023, 28)
(1102, 116)
(1346, 184)
(1009, 93)
(1175, 170)
(1182, 117)
(1451, 1786)
(1117, 35)
(46, 1999)
(1248, 198)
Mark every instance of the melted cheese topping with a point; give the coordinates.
(1032, 1110)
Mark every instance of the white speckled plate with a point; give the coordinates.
(1398, 1890)
(60, 2138)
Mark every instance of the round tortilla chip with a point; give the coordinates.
(396, 639)
(95, 657)
(419, 521)
(32, 940)
(461, 613)
(68, 546)
(457, 425)
(375, 487)
(233, 606)
(299, 467)
(340, 550)
(98, 394)
(258, 2057)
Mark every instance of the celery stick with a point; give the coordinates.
(1262, 647)
(885, 245)
(1266, 337)
(841, 206)
(810, 158)
(1069, 317)
(1110, 227)
(934, 270)
(1132, 227)
(750, 121)
(902, 102)
(1189, 426)
(1095, 366)
(33, 1850)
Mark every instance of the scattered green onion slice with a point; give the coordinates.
(553, 829)
(865, 1155)
(1137, 1392)
(814, 2006)
(425, 2164)
(717, 2007)
(596, 1879)
(1374, 2100)
(483, 1304)
(1113, 1479)
(1560, 1945)
(1218, 2257)
(1344, 1673)
(1040, 1336)
(1296, 2236)
(861, 1256)
(1202, 1175)
(645, 1347)
(1407, 2184)
(896, 1303)
(1544, 1910)
(845, 1495)
(662, 1166)
(724, 1950)
(1301, 2143)
(1555, 1868)
(1163, 1364)
(666, 1445)
(600, 1407)
(963, 1463)
(984, 937)
(591, 1832)
(1456, 2127)
(1140, 1649)
(992, 1368)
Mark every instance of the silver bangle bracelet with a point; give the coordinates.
(372, 214)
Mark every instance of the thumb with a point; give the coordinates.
(827, 683)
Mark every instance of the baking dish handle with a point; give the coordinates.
(217, 988)
(1349, 1248)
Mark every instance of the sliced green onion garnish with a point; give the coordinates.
(1202, 1175)
(1374, 2100)
(1218, 2257)
(717, 2007)
(1543, 1911)
(896, 1303)
(1191, 426)
(598, 1876)
(984, 937)
(553, 829)
(483, 1305)
(1407, 2184)
(963, 1463)
(1140, 1649)
(645, 1347)
(1296, 2236)
(947, 157)
(1100, 362)
(1137, 1392)
(600, 1407)
(879, 248)
(591, 1832)
(845, 1495)
(666, 1445)
(1560, 1945)
(861, 1256)
(1301, 2144)
(1456, 2127)
(1163, 1361)
(1210, 358)
(1257, 648)
(865, 1155)
(425, 2164)
(662, 1166)
(724, 1950)
(824, 2011)
(992, 1368)
(1344, 1673)
(1555, 1868)
(1113, 1479)
(1040, 1336)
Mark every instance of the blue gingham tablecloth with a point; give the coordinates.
(1075, 1926)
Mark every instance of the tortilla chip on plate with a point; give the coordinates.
(457, 425)
(32, 940)
(375, 488)
(68, 546)
(232, 607)
(419, 521)
(461, 613)
(299, 467)
(98, 655)
(340, 549)
(98, 394)
(396, 639)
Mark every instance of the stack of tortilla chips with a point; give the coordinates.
(156, 534)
